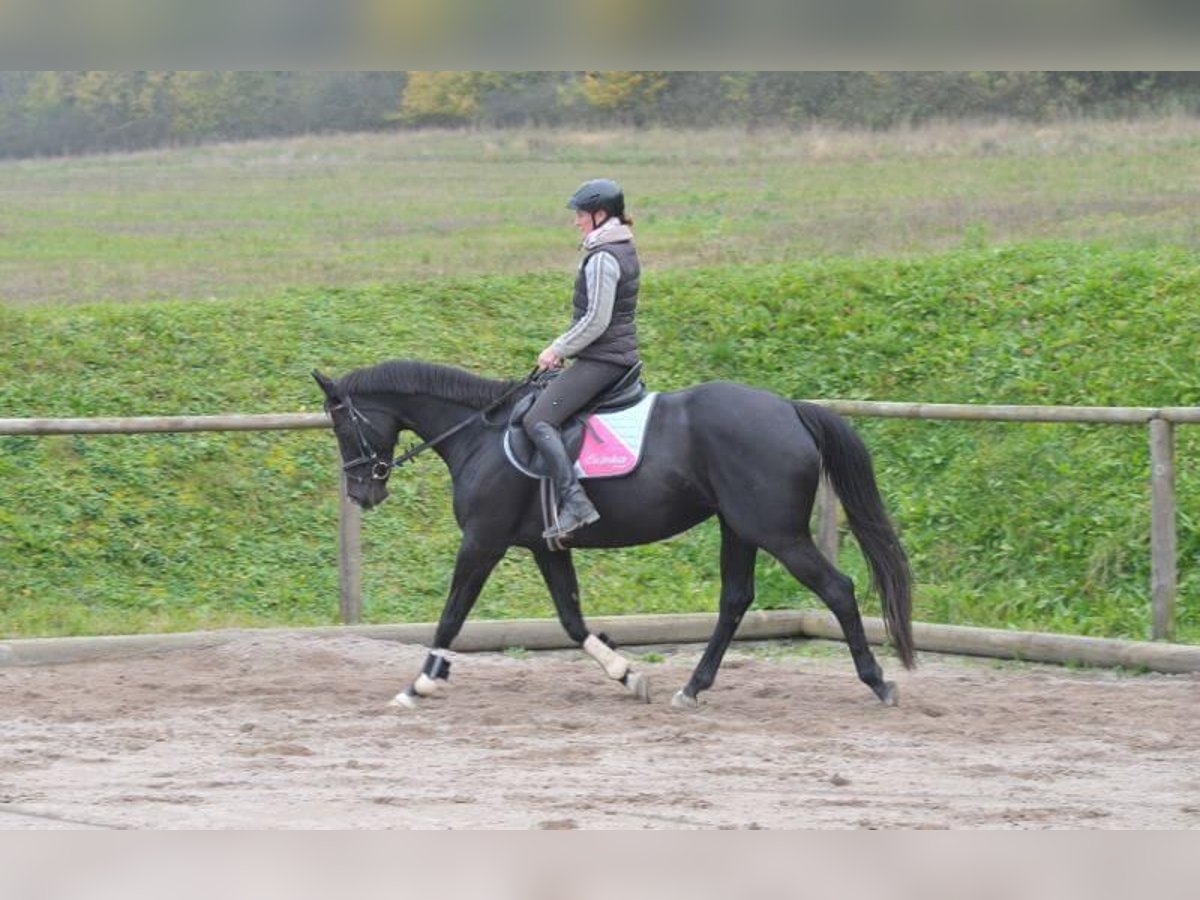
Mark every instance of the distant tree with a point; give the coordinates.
(780, 98)
(62, 112)
(442, 98)
(514, 99)
(124, 110)
(694, 99)
(346, 101)
(197, 99)
(626, 96)
(56, 125)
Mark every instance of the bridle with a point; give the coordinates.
(381, 466)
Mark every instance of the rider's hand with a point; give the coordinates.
(548, 359)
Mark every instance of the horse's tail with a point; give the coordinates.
(847, 462)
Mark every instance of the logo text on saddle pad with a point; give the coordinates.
(604, 454)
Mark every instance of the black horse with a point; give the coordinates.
(748, 456)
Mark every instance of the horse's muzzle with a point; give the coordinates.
(375, 494)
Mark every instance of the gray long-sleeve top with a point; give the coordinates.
(601, 271)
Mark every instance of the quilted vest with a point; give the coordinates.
(618, 343)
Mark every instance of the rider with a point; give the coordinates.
(602, 339)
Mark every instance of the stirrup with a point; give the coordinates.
(557, 531)
(562, 526)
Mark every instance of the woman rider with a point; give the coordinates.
(602, 339)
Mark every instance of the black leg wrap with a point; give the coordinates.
(607, 641)
(436, 666)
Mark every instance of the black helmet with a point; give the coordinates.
(599, 193)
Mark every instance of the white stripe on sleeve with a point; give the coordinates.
(601, 274)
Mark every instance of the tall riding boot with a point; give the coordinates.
(575, 509)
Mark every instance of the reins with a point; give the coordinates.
(453, 430)
(383, 468)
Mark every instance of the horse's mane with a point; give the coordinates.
(410, 376)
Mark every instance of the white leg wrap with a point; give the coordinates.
(425, 686)
(639, 686)
(613, 663)
(403, 700)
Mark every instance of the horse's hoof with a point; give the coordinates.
(404, 700)
(683, 701)
(888, 693)
(639, 686)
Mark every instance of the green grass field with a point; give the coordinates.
(988, 265)
(249, 220)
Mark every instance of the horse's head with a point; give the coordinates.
(366, 443)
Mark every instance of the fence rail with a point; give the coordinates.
(1096, 415)
(1159, 420)
(166, 424)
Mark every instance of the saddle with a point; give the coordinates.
(628, 392)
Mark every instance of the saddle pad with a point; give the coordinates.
(612, 442)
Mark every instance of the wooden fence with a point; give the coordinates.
(1160, 422)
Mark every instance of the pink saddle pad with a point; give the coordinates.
(612, 442)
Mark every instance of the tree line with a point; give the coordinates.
(54, 113)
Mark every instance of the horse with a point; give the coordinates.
(748, 456)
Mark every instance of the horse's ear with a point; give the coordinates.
(327, 384)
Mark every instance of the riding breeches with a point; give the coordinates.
(571, 391)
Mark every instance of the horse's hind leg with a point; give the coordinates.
(815, 572)
(558, 570)
(737, 593)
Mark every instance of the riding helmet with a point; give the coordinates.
(597, 194)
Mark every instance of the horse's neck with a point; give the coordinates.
(431, 416)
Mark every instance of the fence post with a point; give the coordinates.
(827, 533)
(349, 555)
(1162, 529)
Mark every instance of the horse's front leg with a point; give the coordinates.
(559, 572)
(472, 567)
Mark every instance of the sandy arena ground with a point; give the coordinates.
(294, 732)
